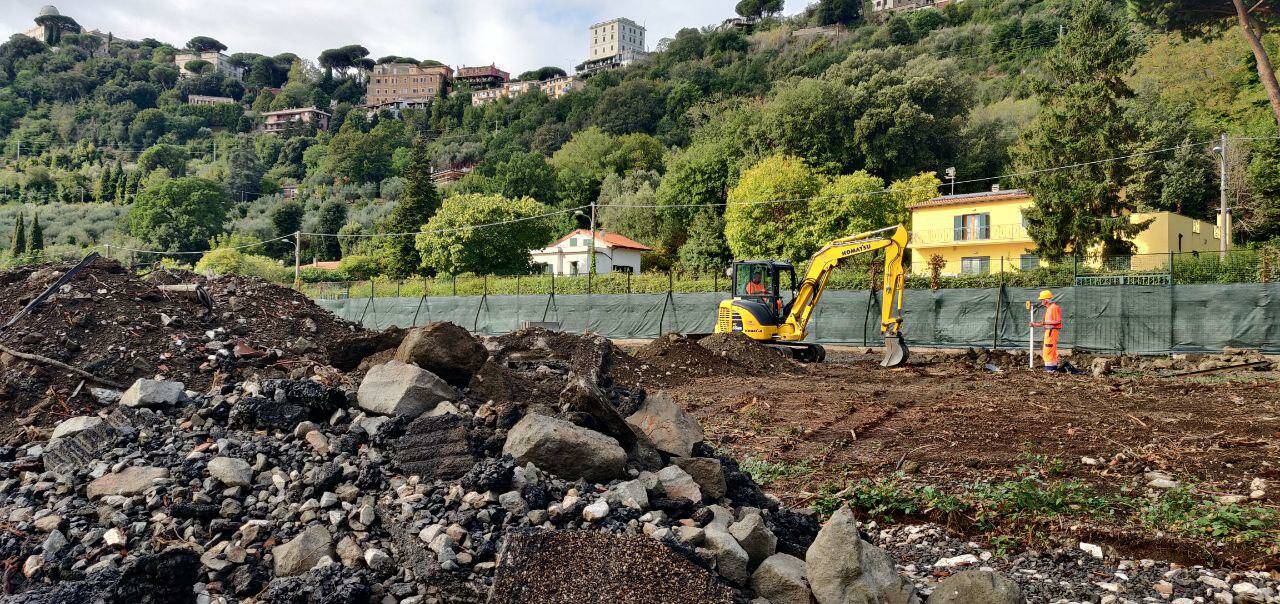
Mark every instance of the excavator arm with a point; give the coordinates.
(894, 241)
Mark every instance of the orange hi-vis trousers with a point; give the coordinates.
(1053, 329)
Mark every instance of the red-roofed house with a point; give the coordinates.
(570, 255)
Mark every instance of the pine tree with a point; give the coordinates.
(35, 243)
(1082, 121)
(418, 204)
(19, 247)
(105, 189)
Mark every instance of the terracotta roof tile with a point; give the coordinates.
(984, 197)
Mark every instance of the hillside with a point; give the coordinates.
(98, 140)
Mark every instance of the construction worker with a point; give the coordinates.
(756, 287)
(1052, 325)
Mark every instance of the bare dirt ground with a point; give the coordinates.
(950, 424)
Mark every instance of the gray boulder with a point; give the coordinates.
(398, 388)
(977, 586)
(754, 537)
(302, 553)
(780, 579)
(667, 425)
(731, 559)
(444, 349)
(152, 393)
(564, 449)
(844, 569)
(231, 471)
(71, 427)
(133, 480)
(678, 484)
(707, 472)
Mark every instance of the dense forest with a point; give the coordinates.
(759, 142)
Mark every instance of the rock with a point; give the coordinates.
(631, 494)
(667, 425)
(1101, 367)
(707, 472)
(114, 538)
(231, 471)
(151, 393)
(397, 388)
(842, 568)
(106, 396)
(303, 552)
(780, 579)
(318, 441)
(45, 524)
(55, 542)
(435, 448)
(731, 559)
(977, 586)
(378, 560)
(133, 480)
(1091, 549)
(444, 349)
(596, 511)
(678, 484)
(754, 537)
(76, 425)
(564, 449)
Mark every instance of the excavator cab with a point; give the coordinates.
(763, 293)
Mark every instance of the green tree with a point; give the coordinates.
(581, 165)
(634, 106)
(627, 205)
(148, 126)
(205, 44)
(452, 246)
(286, 219)
(1082, 122)
(198, 66)
(35, 243)
(19, 245)
(766, 215)
(179, 214)
(706, 249)
(842, 12)
(848, 205)
(419, 203)
(333, 217)
(169, 157)
(525, 175)
(1210, 17)
(244, 171)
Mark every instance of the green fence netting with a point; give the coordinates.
(1110, 319)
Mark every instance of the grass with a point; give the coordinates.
(1031, 497)
(765, 472)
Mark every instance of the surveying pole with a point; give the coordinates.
(1031, 337)
(297, 259)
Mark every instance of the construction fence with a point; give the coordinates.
(1108, 317)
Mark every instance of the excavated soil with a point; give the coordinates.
(746, 353)
(950, 423)
(674, 358)
(119, 326)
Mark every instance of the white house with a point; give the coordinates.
(570, 255)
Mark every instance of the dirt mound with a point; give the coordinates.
(562, 353)
(119, 326)
(753, 356)
(675, 356)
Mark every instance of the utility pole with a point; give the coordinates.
(951, 176)
(1224, 213)
(297, 259)
(592, 268)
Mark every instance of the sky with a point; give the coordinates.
(518, 35)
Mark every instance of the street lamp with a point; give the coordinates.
(951, 176)
(1224, 213)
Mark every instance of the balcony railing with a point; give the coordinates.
(997, 233)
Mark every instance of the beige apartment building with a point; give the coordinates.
(406, 83)
(281, 121)
(554, 88)
(221, 63)
(615, 37)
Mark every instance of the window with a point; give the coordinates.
(978, 265)
(1029, 262)
(573, 242)
(753, 280)
(971, 227)
(573, 267)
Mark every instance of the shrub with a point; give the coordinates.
(360, 267)
(226, 261)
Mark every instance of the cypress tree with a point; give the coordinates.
(106, 185)
(418, 204)
(35, 243)
(19, 247)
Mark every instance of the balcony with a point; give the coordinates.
(997, 233)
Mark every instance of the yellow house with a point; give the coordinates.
(977, 233)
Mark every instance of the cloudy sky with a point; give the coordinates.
(516, 34)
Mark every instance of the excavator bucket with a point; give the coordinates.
(896, 352)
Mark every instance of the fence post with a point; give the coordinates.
(628, 283)
(455, 285)
(995, 325)
(1173, 305)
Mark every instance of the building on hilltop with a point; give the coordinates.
(907, 5)
(482, 78)
(402, 85)
(52, 24)
(978, 233)
(287, 119)
(615, 43)
(554, 88)
(201, 100)
(221, 63)
(571, 254)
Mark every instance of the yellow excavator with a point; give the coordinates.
(758, 310)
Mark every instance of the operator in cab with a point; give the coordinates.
(1052, 325)
(756, 287)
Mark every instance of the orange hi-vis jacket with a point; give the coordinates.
(1053, 328)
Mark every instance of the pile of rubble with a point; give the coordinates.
(117, 327)
(526, 468)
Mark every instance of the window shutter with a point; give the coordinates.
(958, 227)
(984, 226)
